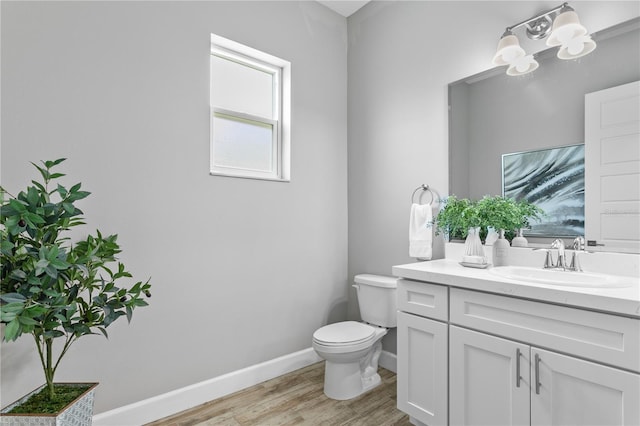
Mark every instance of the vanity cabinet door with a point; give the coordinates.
(570, 391)
(422, 368)
(489, 379)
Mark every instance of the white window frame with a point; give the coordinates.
(281, 121)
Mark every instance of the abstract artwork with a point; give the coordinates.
(552, 179)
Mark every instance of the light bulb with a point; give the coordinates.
(577, 47)
(565, 27)
(508, 50)
(523, 65)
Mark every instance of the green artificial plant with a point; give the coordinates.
(500, 213)
(457, 216)
(51, 288)
(528, 212)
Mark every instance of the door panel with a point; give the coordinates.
(484, 384)
(422, 368)
(612, 167)
(576, 392)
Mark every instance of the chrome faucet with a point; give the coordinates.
(562, 261)
(578, 247)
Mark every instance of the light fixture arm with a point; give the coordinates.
(535, 18)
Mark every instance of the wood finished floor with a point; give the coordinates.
(296, 399)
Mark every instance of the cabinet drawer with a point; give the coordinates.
(609, 339)
(424, 299)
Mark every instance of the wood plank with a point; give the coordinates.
(296, 398)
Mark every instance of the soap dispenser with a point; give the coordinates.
(501, 250)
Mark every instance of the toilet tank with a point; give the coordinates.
(377, 299)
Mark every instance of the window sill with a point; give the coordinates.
(231, 175)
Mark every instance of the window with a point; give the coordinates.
(250, 112)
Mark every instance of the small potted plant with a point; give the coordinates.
(528, 212)
(57, 291)
(505, 215)
(456, 217)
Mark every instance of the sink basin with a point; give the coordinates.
(563, 278)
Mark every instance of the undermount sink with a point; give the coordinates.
(563, 278)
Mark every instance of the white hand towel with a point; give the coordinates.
(420, 231)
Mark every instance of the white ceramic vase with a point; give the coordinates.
(519, 240)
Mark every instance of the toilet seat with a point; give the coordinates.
(346, 336)
(344, 333)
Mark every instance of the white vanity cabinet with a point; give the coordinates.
(422, 370)
(513, 361)
(494, 381)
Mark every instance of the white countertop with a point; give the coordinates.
(622, 301)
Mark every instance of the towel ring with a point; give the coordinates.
(424, 188)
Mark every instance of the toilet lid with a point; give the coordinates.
(344, 332)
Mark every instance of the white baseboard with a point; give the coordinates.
(389, 361)
(173, 402)
(164, 405)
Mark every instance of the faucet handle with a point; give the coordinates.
(548, 260)
(575, 262)
(578, 243)
(557, 244)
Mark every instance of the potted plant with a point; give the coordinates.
(55, 290)
(456, 217)
(528, 212)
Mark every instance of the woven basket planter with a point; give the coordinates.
(77, 413)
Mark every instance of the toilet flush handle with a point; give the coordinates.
(356, 286)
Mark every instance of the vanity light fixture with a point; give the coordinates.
(560, 24)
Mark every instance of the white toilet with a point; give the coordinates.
(351, 349)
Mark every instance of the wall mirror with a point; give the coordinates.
(492, 114)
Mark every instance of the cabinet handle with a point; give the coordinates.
(518, 367)
(537, 367)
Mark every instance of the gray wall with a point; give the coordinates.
(243, 271)
(402, 56)
(502, 114)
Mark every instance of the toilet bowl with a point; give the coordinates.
(351, 349)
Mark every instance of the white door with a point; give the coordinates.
(489, 379)
(612, 168)
(567, 391)
(422, 369)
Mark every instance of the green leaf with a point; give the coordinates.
(60, 264)
(13, 307)
(41, 266)
(6, 247)
(78, 195)
(12, 330)
(7, 317)
(43, 172)
(12, 297)
(27, 321)
(49, 164)
(18, 206)
(39, 186)
(18, 275)
(33, 218)
(33, 196)
(62, 191)
(50, 325)
(69, 208)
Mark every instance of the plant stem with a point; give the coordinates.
(49, 367)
